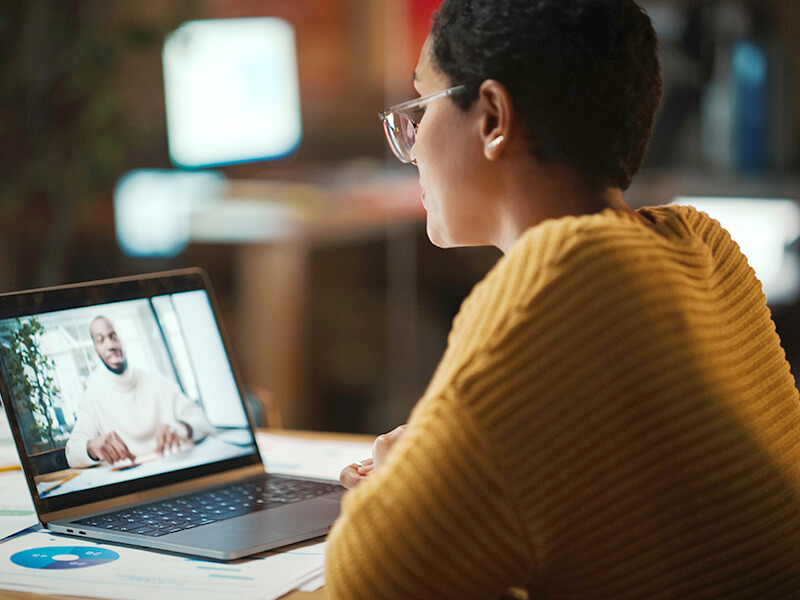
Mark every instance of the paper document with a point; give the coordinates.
(324, 459)
(47, 564)
(312, 585)
(9, 459)
(16, 506)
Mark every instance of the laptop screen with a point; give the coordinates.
(119, 386)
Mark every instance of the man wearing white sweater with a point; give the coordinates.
(127, 412)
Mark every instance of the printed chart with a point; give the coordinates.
(47, 564)
(63, 557)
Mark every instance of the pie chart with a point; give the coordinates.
(63, 557)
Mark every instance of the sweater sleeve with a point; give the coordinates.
(434, 522)
(190, 413)
(85, 429)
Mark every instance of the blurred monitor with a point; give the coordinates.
(766, 231)
(231, 91)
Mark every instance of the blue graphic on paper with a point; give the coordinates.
(63, 557)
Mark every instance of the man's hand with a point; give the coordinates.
(169, 438)
(355, 473)
(108, 447)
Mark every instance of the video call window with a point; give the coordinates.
(50, 357)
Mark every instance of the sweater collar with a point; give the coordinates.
(124, 382)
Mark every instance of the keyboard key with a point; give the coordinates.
(161, 518)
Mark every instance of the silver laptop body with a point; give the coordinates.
(172, 327)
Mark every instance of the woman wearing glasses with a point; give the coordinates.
(614, 416)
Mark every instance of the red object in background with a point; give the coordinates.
(421, 17)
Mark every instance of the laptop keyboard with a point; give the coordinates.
(195, 510)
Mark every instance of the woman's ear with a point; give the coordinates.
(497, 114)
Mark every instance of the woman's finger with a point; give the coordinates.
(355, 472)
(364, 467)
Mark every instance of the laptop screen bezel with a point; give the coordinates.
(37, 301)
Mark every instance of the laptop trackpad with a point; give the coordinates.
(269, 528)
(312, 515)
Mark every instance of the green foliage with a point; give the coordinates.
(30, 376)
(72, 76)
(64, 116)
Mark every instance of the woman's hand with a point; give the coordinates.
(355, 473)
(383, 443)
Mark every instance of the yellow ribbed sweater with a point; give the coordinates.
(614, 417)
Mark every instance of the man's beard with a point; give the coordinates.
(118, 370)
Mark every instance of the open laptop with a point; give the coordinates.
(210, 497)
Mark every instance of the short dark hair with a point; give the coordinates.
(583, 75)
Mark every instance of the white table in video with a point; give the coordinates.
(214, 448)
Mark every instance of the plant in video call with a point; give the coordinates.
(30, 376)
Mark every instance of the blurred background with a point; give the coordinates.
(242, 136)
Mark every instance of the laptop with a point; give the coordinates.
(207, 493)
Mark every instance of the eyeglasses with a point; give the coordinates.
(400, 123)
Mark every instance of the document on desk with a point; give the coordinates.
(16, 506)
(42, 563)
(301, 457)
(9, 459)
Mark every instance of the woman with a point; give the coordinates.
(614, 416)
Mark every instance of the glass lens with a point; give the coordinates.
(401, 133)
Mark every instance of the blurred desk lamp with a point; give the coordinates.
(766, 230)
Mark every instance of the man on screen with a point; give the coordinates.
(126, 412)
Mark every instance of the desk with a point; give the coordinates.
(273, 269)
(316, 595)
(8, 595)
